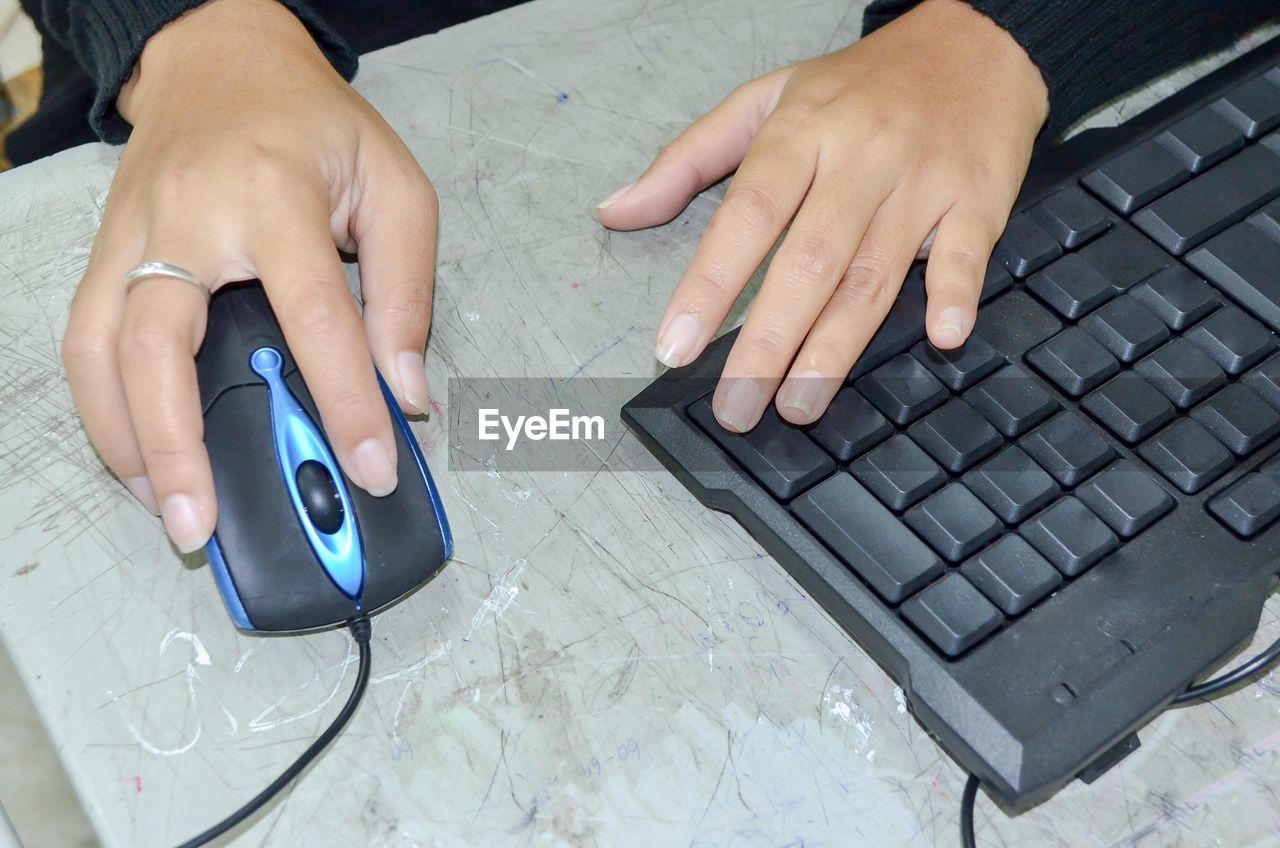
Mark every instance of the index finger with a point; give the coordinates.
(765, 193)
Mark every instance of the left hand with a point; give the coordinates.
(925, 125)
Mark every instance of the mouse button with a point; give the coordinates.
(402, 540)
(402, 546)
(277, 577)
(221, 365)
(240, 440)
(321, 500)
(240, 322)
(249, 310)
(224, 362)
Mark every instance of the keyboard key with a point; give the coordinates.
(952, 614)
(901, 328)
(1249, 506)
(1182, 372)
(954, 522)
(1071, 216)
(1212, 201)
(1267, 218)
(902, 389)
(1125, 497)
(1240, 419)
(995, 282)
(1070, 536)
(1265, 380)
(1136, 177)
(779, 455)
(1126, 328)
(850, 426)
(1012, 574)
(959, 368)
(1201, 140)
(1074, 361)
(1015, 323)
(1177, 295)
(1187, 455)
(1025, 246)
(898, 472)
(1069, 448)
(1012, 400)
(868, 538)
(1253, 107)
(1232, 339)
(1124, 256)
(1071, 286)
(955, 435)
(1243, 262)
(1012, 484)
(1130, 407)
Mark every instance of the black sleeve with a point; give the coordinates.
(1090, 51)
(107, 36)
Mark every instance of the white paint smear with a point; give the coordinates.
(243, 657)
(260, 722)
(438, 653)
(202, 656)
(840, 704)
(499, 600)
(149, 746)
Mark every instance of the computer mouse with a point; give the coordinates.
(297, 545)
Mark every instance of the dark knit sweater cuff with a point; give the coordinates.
(1091, 51)
(114, 34)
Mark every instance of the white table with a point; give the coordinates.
(606, 662)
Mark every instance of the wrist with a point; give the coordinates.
(219, 43)
(1000, 51)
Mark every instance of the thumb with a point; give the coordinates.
(706, 151)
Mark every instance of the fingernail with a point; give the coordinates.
(740, 407)
(951, 326)
(413, 379)
(140, 488)
(184, 522)
(374, 467)
(802, 393)
(677, 341)
(613, 198)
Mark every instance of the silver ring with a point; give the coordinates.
(147, 270)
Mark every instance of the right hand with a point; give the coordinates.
(250, 158)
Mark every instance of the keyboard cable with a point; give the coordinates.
(360, 630)
(1201, 692)
(1239, 674)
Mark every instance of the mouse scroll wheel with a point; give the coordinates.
(320, 496)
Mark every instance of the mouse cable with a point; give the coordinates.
(1240, 673)
(967, 838)
(360, 630)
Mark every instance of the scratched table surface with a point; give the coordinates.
(606, 662)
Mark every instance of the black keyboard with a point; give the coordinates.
(1046, 535)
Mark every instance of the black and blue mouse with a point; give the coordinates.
(297, 545)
